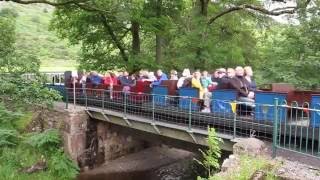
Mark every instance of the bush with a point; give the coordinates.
(47, 141)
(61, 166)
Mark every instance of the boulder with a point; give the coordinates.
(249, 146)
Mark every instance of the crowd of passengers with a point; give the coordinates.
(239, 79)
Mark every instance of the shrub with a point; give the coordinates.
(47, 141)
(61, 166)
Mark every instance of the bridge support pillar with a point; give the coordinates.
(74, 133)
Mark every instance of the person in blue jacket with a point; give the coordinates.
(160, 77)
(95, 79)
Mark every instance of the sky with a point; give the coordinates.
(282, 18)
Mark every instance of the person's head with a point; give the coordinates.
(94, 73)
(125, 73)
(107, 74)
(151, 75)
(159, 72)
(205, 73)
(248, 71)
(173, 73)
(239, 71)
(186, 73)
(197, 74)
(230, 72)
(143, 73)
(119, 73)
(222, 72)
(216, 74)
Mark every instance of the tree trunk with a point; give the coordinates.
(204, 7)
(158, 48)
(135, 28)
(158, 35)
(116, 41)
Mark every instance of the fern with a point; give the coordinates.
(213, 154)
(8, 137)
(47, 141)
(7, 117)
(61, 166)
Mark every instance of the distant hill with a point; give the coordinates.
(33, 34)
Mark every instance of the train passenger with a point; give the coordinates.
(114, 78)
(231, 73)
(126, 81)
(84, 79)
(143, 75)
(185, 74)
(151, 76)
(160, 77)
(249, 77)
(205, 80)
(173, 75)
(107, 79)
(224, 78)
(133, 79)
(95, 79)
(208, 86)
(196, 83)
(215, 76)
(241, 85)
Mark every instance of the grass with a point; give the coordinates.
(33, 35)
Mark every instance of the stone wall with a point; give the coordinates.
(115, 141)
(74, 133)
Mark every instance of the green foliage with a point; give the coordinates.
(212, 155)
(12, 160)
(47, 141)
(8, 138)
(61, 166)
(248, 166)
(7, 34)
(34, 40)
(23, 121)
(7, 117)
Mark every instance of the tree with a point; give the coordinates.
(199, 34)
(293, 47)
(14, 63)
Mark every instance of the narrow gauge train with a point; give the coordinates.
(297, 109)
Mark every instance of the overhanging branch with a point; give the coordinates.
(247, 7)
(52, 3)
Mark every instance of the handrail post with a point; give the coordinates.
(86, 97)
(275, 128)
(153, 109)
(190, 112)
(66, 91)
(125, 105)
(234, 120)
(103, 99)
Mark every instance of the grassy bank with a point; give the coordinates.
(33, 35)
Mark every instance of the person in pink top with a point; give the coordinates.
(114, 78)
(107, 79)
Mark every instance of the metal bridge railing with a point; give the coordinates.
(291, 127)
(298, 129)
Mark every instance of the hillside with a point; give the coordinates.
(34, 35)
